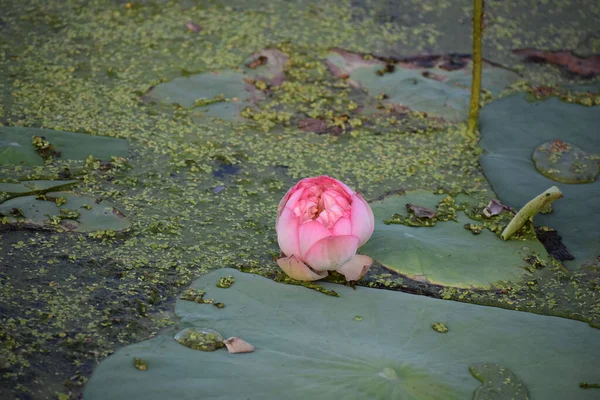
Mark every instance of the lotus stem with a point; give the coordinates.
(477, 57)
(530, 209)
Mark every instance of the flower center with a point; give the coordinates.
(324, 204)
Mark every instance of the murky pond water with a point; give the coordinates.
(175, 190)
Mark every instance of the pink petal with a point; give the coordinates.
(290, 199)
(345, 190)
(294, 198)
(331, 252)
(342, 202)
(310, 233)
(356, 268)
(296, 269)
(363, 220)
(287, 232)
(342, 227)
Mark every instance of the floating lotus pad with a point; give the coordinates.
(566, 163)
(221, 94)
(310, 346)
(447, 253)
(63, 211)
(511, 129)
(439, 86)
(213, 92)
(16, 147)
(10, 190)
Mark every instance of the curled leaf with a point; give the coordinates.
(530, 209)
(494, 207)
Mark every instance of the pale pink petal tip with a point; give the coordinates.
(363, 220)
(331, 252)
(237, 345)
(356, 268)
(296, 269)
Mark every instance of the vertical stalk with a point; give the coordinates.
(476, 84)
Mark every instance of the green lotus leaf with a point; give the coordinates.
(16, 147)
(310, 346)
(223, 94)
(511, 130)
(63, 211)
(211, 92)
(433, 89)
(447, 253)
(10, 190)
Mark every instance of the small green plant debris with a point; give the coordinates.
(206, 102)
(358, 318)
(474, 228)
(439, 327)
(60, 201)
(69, 214)
(226, 282)
(140, 364)
(424, 217)
(200, 339)
(45, 149)
(282, 278)
(195, 295)
(585, 385)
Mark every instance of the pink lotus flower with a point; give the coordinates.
(320, 224)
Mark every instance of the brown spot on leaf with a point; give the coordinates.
(118, 213)
(544, 91)
(388, 69)
(258, 61)
(431, 75)
(274, 61)
(584, 67)
(557, 146)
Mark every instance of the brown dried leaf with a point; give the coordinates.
(494, 207)
(312, 125)
(420, 212)
(236, 345)
(193, 27)
(584, 67)
(274, 61)
(258, 61)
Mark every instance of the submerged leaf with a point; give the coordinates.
(435, 84)
(16, 147)
(84, 214)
